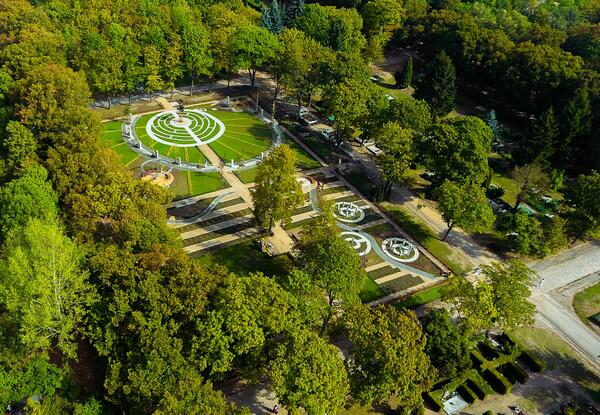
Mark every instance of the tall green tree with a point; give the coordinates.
(464, 206)
(457, 150)
(437, 86)
(576, 128)
(196, 51)
(26, 197)
(410, 113)
(44, 285)
(584, 196)
(253, 48)
(308, 375)
(294, 10)
(387, 356)
(542, 139)
(529, 178)
(404, 80)
(333, 265)
(500, 298)
(398, 150)
(277, 192)
(20, 145)
(447, 347)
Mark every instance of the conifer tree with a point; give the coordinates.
(294, 10)
(438, 85)
(406, 75)
(273, 18)
(577, 127)
(542, 138)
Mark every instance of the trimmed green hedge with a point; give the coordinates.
(476, 388)
(532, 361)
(432, 402)
(497, 381)
(513, 373)
(466, 393)
(477, 359)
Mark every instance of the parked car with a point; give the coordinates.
(308, 117)
(374, 149)
(328, 134)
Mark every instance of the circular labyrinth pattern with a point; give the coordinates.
(188, 129)
(400, 250)
(361, 244)
(348, 212)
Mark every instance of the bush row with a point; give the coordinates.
(532, 361)
(513, 372)
(476, 388)
(466, 393)
(497, 381)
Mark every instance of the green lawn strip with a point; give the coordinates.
(303, 159)
(422, 233)
(205, 182)
(303, 209)
(331, 190)
(192, 210)
(214, 220)
(244, 140)
(559, 355)
(126, 154)
(383, 227)
(587, 303)
(180, 187)
(320, 148)
(299, 224)
(510, 188)
(230, 202)
(247, 175)
(421, 298)
(371, 291)
(225, 152)
(382, 272)
(403, 283)
(216, 234)
(359, 180)
(245, 258)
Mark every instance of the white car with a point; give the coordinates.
(328, 134)
(374, 149)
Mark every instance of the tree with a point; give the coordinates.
(273, 18)
(196, 51)
(253, 48)
(333, 265)
(397, 146)
(381, 18)
(529, 178)
(500, 298)
(438, 85)
(192, 396)
(576, 127)
(348, 102)
(447, 347)
(387, 355)
(308, 374)
(410, 113)
(542, 139)
(173, 68)
(20, 145)
(583, 195)
(457, 150)
(464, 205)
(294, 10)
(277, 192)
(28, 196)
(43, 284)
(537, 235)
(404, 80)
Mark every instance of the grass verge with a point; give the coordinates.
(587, 303)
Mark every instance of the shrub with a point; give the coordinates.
(477, 359)
(514, 373)
(432, 402)
(466, 393)
(497, 381)
(476, 388)
(488, 351)
(532, 362)
(495, 192)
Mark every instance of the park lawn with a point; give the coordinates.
(559, 355)
(421, 298)
(244, 258)
(510, 188)
(587, 302)
(303, 160)
(421, 232)
(112, 133)
(247, 175)
(371, 291)
(126, 153)
(201, 183)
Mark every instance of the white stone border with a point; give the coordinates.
(197, 140)
(338, 216)
(388, 241)
(356, 240)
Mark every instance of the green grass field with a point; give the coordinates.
(587, 303)
(186, 183)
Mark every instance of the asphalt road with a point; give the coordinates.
(560, 271)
